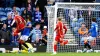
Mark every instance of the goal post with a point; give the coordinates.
(73, 15)
(51, 22)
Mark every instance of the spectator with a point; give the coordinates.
(12, 12)
(44, 35)
(8, 23)
(82, 31)
(36, 35)
(29, 5)
(75, 25)
(41, 4)
(49, 3)
(26, 14)
(14, 41)
(4, 36)
(1, 24)
(42, 24)
(37, 15)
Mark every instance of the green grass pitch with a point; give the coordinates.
(49, 54)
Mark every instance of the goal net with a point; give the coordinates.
(73, 15)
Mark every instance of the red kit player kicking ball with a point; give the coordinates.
(20, 25)
(60, 32)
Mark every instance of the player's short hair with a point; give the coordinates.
(94, 19)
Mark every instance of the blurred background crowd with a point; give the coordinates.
(31, 10)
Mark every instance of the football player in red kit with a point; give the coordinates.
(60, 32)
(20, 25)
(20, 22)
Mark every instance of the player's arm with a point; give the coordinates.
(23, 20)
(56, 27)
(91, 28)
(65, 29)
(13, 22)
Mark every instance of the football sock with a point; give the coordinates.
(88, 46)
(55, 48)
(65, 42)
(20, 46)
(25, 45)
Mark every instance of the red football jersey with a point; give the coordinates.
(60, 27)
(15, 32)
(20, 22)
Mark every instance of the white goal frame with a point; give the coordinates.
(55, 7)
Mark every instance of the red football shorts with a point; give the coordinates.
(59, 39)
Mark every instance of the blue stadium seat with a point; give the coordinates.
(3, 18)
(98, 22)
(18, 9)
(22, 9)
(2, 9)
(75, 24)
(3, 14)
(80, 20)
(8, 9)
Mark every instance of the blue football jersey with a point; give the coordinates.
(94, 29)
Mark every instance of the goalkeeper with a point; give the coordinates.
(24, 49)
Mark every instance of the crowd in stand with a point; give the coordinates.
(34, 12)
(35, 20)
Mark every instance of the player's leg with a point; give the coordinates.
(85, 45)
(22, 41)
(27, 49)
(93, 41)
(62, 42)
(90, 43)
(20, 48)
(89, 46)
(55, 44)
(25, 38)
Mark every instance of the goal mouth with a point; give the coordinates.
(73, 15)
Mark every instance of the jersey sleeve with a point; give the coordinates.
(23, 20)
(56, 27)
(92, 26)
(65, 29)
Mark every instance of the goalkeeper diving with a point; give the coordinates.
(61, 30)
(24, 49)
